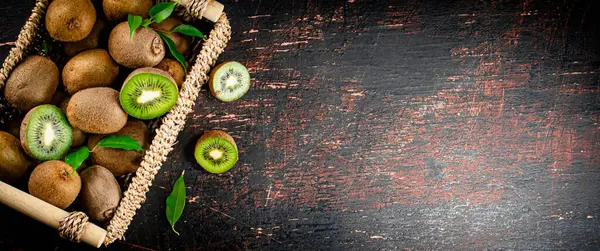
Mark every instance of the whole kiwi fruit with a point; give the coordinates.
(90, 42)
(119, 161)
(182, 42)
(70, 20)
(96, 110)
(174, 68)
(13, 160)
(55, 182)
(100, 193)
(117, 10)
(144, 49)
(33, 82)
(91, 68)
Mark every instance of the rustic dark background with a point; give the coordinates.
(386, 125)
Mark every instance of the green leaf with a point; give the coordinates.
(134, 23)
(146, 22)
(120, 142)
(176, 202)
(161, 11)
(173, 50)
(76, 158)
(189, 30)
(45, 47)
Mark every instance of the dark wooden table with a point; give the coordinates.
(386, 125)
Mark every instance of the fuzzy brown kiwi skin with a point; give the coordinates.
(79, 137)
(117, 161)
(117, 10)
(55, 182)
(174, 68)
(182, 42)
(91, 68)
(70, 20)
(92, 41)
(100, 193)
(218, 134)
(33, 82)
(14, 163)
(145, 49)
(96, 110)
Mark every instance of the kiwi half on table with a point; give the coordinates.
(216, 151)
(229, 81)
(45, 133)
(148, 93)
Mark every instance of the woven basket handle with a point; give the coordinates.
(209, 9)
(167, 133)
(191, 10)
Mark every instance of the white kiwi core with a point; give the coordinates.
(148, 96)
(49, 135)
(216, 154)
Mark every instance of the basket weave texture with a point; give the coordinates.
(173, 122)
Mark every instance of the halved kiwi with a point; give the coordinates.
(148, 93)
(45, 133)
(229, 81)
(216, 151)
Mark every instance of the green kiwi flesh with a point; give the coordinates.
(45, 133)
(216, 152)
(148, 93)
(229, 81)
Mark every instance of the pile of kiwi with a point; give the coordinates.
(113, 83)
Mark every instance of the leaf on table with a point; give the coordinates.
(176, 202)
(120, 142)
(189, 30)
(173, 50)
(76, 158)
(162, 11)
(134, 22)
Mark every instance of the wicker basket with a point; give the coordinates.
(204, 57)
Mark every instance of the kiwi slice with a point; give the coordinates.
(216, 151)
(148, 93)
(45, 133)
(229, 81)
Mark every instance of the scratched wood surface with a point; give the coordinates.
(387, 125)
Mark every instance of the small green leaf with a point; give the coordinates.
(189, 30)
(161, 11)
(176, 202)
(134, 23)
(173, 50)
(76, 158)
(120, 142)
(45, 47)
(146, 22)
